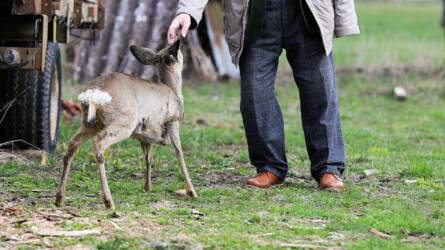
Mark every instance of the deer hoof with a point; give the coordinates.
(109, 204)
(192, 193)
(148, 188)
(60, 199)
(185, 192)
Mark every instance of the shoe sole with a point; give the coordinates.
(252, 186)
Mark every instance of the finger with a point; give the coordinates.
(185, 27)
(172, 33)
(171, 37)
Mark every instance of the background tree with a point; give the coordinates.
(139, 22)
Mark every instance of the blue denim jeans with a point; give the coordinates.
(314, 72)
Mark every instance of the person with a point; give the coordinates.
(257, 31)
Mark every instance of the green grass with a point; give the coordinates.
(403, 141)
(394, 34)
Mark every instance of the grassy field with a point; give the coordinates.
(395, 34)
(399, 204)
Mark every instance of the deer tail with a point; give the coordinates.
(93, 98)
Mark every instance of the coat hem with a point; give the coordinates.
(347, 31)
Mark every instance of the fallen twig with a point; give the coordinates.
(114, 224)
(73, 212)
(26, 242)
(380, 234)
(11, 211)
(21, 141)
(5, 157)
(52, 217)
(54, 233)
(301, 246)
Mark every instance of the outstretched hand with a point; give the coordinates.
(179, 27)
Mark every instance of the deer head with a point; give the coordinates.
(168, 61)
(169, 56)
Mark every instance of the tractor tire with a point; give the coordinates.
(30, 105)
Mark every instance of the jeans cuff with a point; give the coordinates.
(280, 173)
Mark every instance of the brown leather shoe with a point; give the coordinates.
(331, 182)
(263, 180)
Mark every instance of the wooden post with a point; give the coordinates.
(27, 155)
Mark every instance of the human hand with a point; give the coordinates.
(179, 27)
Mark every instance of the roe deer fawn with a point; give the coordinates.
(118, 106)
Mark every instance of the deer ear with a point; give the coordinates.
(143, 55)
(174, 48)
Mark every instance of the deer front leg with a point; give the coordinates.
(78, 139)
(174, 136)
(148, 156)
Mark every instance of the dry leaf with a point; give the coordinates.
(370, 172)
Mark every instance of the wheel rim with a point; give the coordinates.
(54, 107)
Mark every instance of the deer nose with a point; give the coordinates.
(133, 48)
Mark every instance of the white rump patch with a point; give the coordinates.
(95, 96)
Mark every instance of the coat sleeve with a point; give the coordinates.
(194, 8)
(345, 18)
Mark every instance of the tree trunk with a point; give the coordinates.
(142, 25)
(97, 58)
(121, 33)
(164, 13)
(139, 22)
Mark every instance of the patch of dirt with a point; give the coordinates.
(239, 165)
(230, 149)
(302, 181)
(132, 225)
(164, 204)
(222, 179)
(311, 223)
(24, 225)
(333, 241)
(229, 177)
(80, 247)
(181, 241)
(414, 238)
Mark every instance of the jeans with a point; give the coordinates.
(285, 27)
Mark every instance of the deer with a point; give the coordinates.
(118, 106)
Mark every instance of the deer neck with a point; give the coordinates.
(172, 77)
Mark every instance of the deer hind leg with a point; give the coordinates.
(148, 156)
(174, 136)
(104, 140)
(81, 136)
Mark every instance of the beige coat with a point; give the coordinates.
(334, 18)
